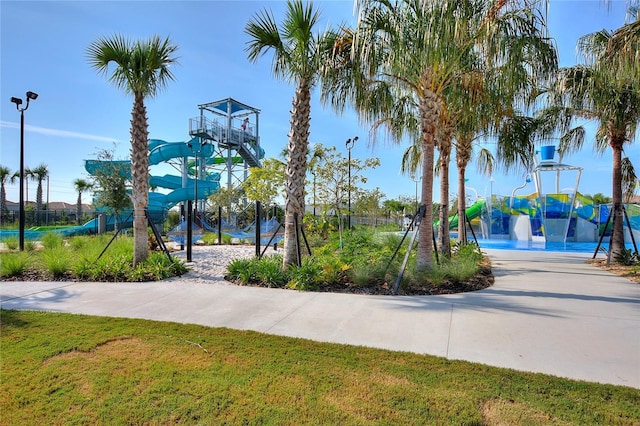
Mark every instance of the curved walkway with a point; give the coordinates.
(547, 312)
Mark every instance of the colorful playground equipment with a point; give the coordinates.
(224, 142)
(563, 215)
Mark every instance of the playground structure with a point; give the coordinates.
(231, 129)
(224, 142)
(564, 215)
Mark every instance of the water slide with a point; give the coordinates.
(473, 211)
(159, 152)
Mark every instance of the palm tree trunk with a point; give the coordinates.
(3, 201)
(296, 170)
(617, 241)
(38, 211)
(464, 150)
(443, 225)
(462, 197)
(140, 178)
(79, 208)
(39, 196)
(444, 239)
(429, 111)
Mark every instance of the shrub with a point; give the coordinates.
(11, 243)
(242, 270)
(459, 270)
(78, 243)
(14, 264)
(211, 238)
(52, 240)
(269, 272)
(470, 251)
(627, 257)
(367, 274)
(306, 276)
(333, 269)
(30, 245)
(57, 261)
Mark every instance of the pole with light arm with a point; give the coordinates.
(349, 144)
(18, 102)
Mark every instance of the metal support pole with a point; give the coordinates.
(189, 230)
(258, 224)
(21, 237)
(349, 144)
(219, 225)
(18, 101)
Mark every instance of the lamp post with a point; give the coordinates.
(18, 102)
(349, 144)
(314, 192)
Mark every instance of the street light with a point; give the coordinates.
(313, 172)
(18, 102)
(416, 179)
(349, 144)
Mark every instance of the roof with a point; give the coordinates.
(227, 105)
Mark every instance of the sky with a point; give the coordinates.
(79, 113)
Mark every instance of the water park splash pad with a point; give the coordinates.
(560, 220)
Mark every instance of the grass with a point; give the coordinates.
(363, 261)
(73, 369)
(14, 264)
(77, 258)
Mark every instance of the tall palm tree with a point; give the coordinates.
(608, 93)
(81, 186)
(297, 53)
(39, 174)
(5, 176)
(142, 68)
(384, 81)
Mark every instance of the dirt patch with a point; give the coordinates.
(509, 412)
(124, 346)
(632, 273)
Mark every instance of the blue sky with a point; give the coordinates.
(78, 112)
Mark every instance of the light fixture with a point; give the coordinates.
(30, 96)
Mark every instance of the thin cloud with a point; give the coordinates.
(57, 132)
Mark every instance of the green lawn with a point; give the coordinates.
(72, 369)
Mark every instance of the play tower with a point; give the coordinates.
(547, 214)
(231, 127)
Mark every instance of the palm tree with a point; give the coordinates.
(39, 174)
(5, 176)
(81, 186)
(407, 93)
(142, 68)
(297, 53)
(608, 93)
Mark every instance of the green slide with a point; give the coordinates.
(472, 212)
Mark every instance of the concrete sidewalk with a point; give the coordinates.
(547, 312)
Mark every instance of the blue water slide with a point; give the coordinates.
(161, 151)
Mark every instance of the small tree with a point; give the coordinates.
(229, 199)
(110, 182)
(333, 184)
(369, 202)
(265, 183)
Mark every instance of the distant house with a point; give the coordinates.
(56, 208)
(60, 206)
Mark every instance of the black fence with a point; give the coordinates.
(46, 217)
